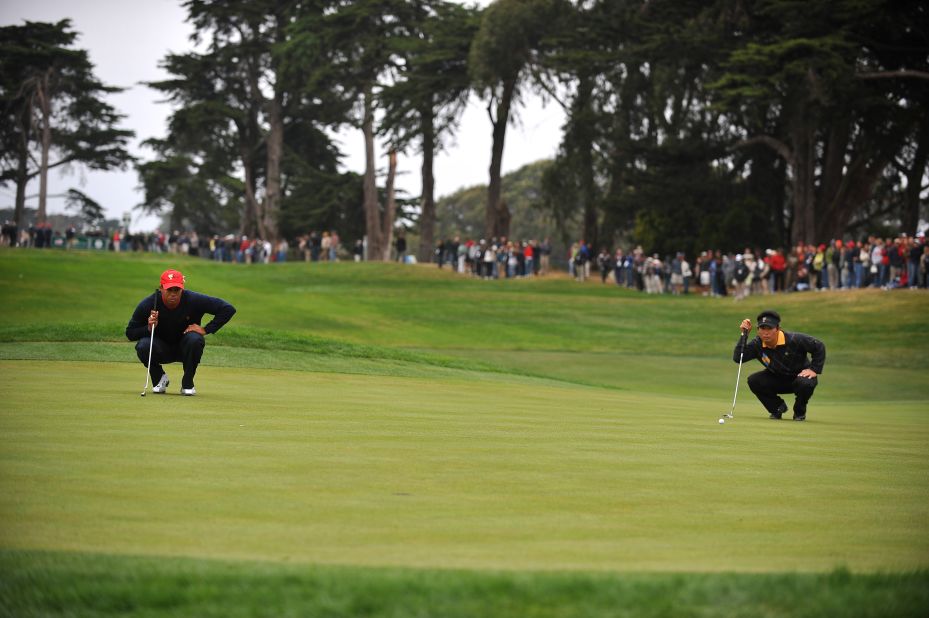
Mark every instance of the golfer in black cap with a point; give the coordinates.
(792, 361)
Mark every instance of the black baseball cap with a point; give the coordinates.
(769, 318)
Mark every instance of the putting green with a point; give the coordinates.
(452, 469)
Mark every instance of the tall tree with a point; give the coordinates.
(350, 43)
(573, 61)
(242, 116)
(636, 112)
(316, 195)
(836, 129)
(246, 34)
(426, 100)
(900, 62)
(501, 62)
(651, 115)
(217, 122)
(194, 190)
(53, 104)
(664, 137)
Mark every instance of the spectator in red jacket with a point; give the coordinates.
(778, 265)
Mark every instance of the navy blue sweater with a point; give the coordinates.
(173, 322)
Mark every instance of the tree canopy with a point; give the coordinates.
(688, 124)
(54, 111)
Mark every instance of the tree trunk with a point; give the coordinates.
(248, 134)
(387, 232)
(857, 188)
(268, 222)
(621, 156)
(584, 135)
(914, 180)
(427, 201)
(22, 179)
(45, 133)
(803, 181)
(371, 206)
(834, 159)
(249, 219)
(853, 183)
(496, 222)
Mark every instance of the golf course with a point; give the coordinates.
(374, 439)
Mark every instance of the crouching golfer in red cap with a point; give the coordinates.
(175, 315)
(787, 367)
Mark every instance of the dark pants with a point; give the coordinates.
(188, 351)
(768, 386)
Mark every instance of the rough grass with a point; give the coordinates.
(42, 584)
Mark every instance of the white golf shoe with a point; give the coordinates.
(189, 391)
(162, 385)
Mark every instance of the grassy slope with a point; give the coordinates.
(593, 334)
(408, 307)
(409, 458)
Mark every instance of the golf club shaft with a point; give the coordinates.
(151, 345)
(738, 377)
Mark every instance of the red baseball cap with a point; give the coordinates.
(172, 279)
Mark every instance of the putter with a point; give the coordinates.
(738, 376)
(151, 344)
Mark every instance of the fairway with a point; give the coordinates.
(581, 441)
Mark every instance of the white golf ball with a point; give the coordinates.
(721, 421)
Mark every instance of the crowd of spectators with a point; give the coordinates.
(901, 262)
(891, 263)
(496, 258)
(314, 246)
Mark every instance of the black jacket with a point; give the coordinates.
(786, 360)
(173, 322)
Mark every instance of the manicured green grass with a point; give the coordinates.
(367, 418)
(451, 472)
(421, 307)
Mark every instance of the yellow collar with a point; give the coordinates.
(781, 340)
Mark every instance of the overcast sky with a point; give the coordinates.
(126, 40)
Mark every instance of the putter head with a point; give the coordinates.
(142, 394)
(727, 415)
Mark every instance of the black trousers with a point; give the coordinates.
(767, 388)
(189, 351)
